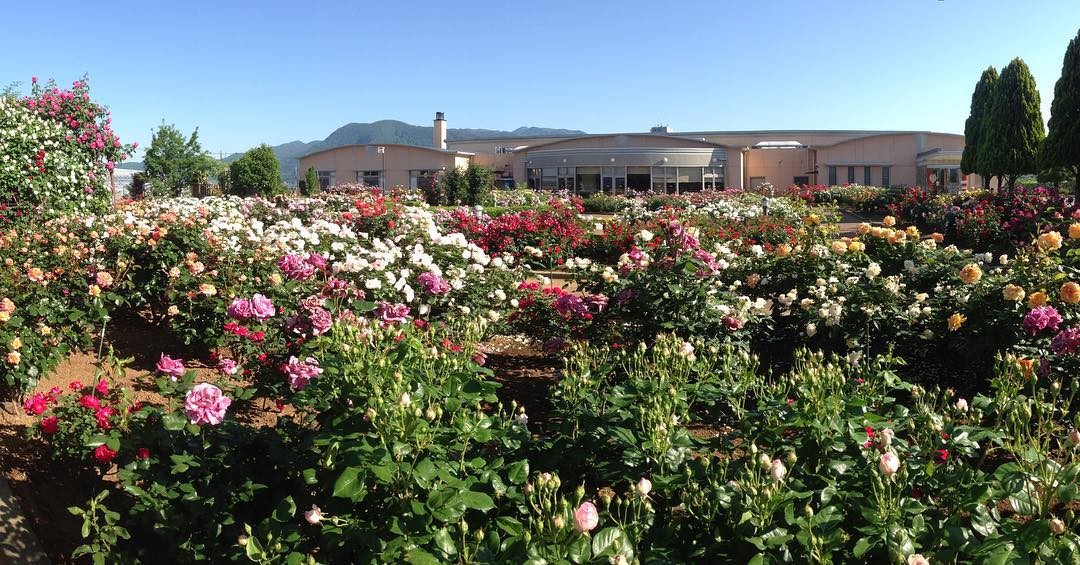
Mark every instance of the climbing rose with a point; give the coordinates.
(104, 454)
(586, 517)
(174, 368)
(205, 404)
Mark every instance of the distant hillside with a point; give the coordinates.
(389, 131)
(131, 165)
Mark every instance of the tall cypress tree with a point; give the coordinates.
(1062, 146)
(311, 182)
(1010, 142)
(980, 106)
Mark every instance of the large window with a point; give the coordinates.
(327, 178)
(533, 179)
(851, 175)
(566, 179)
(801, 181)
(885, 177)
(832, 175)
(549, 178)
(713, 178)
(866, 176)
(423, 179)
(369, 178)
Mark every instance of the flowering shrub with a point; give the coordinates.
(57, 150)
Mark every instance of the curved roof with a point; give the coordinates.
(678, 138)
(422, 147)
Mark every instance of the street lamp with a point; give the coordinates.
(382, 173)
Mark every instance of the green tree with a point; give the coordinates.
(1061, 150)
(256, 173)
(173, 163)
(478, 181)
(453, 187)
(311, 184)
(980, 104)
(1013, 134)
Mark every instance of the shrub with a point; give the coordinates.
(256, 173)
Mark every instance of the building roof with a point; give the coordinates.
(690, 134)
(435, 149)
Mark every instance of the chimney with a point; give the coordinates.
(439, 131)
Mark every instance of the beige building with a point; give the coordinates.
(663, 161)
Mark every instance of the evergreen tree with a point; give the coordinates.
(311, 184)
(980, 103)
(1010, 141)
(478, 181)
(256, 173)
(1061, 150)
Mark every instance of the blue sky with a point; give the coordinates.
(272, 71)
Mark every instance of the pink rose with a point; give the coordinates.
(205, 404)
(261, 307)
(313, 516)
(90, 401)
(240, 309)
(295, 267)
(320, 320)
(36, 404)
(300, 372)
(433, 283)
(227, 366)
(586, 517)
(102, 387)
(391, 314)
(889, 464)
(174, 368)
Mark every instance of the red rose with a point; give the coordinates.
(90, 401)
(50, 425)
(142, 453)
(103, 387)
(104, 454)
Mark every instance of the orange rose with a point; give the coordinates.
(1070, 293)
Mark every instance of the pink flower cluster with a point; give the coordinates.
(1066, 342)
(432, 283)
(1041, 318)
(300, 372)
(258, 307)
(300, 268)
(391, 314)
(206, 404)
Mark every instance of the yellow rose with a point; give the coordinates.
(15, 343)
(1050, 241)
(971, 273)
(955, 321)
(95, 290)
(864, 228)
(207, 289)
(812, 220)
(1037, 299)
(4, 316)
(838, 247)
(173, 310)
(1074, 231)
(888, 221)
(856, 246)
(1070, 293)
(1013, 292)
(913, 232)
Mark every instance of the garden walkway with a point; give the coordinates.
(849, 222)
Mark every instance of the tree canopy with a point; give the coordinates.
(1061, 150)
(256, 173)
(980, 103)
(173, 163)
(1010, 140)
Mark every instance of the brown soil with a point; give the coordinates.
(43, 488)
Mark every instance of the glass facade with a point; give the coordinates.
(586, 181)
(885, 176)
(423, 179)
(866, 176)
(370, 178)
(832, 175)
(327, 178)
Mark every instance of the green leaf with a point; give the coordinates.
(348, 484)
(420, 557)
(285, 511)
(174, 421)
(477, 500)
(518, 472)
(603, 543)
(862, 546)
(444, 542)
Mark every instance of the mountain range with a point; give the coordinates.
(382, 131)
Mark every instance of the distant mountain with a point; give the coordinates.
(390, 131)
(132, 165)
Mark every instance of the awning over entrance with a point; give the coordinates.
(626, 157)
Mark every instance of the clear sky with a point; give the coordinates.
(273, 71)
